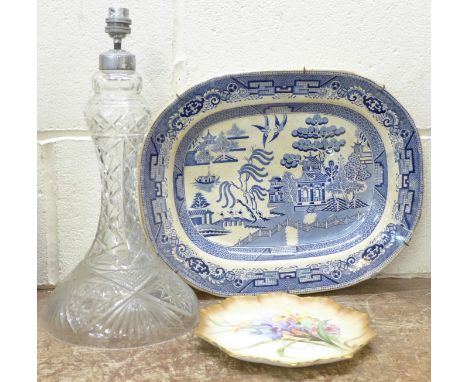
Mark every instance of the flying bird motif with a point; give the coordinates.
(265, 129)
(279, 126)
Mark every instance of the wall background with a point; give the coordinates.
(179, 43)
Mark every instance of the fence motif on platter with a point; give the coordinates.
(306, 227)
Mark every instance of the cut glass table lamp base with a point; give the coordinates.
(122, 294)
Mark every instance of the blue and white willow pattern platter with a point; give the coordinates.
(281, 181)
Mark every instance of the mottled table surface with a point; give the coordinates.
(399, 311)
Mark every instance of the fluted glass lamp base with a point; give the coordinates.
(120, 308)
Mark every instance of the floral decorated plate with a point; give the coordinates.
(283, 181)
(285, 330)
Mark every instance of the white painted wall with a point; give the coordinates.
(179, 43)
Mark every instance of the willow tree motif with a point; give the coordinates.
(246, 191)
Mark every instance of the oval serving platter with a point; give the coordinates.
(281, 181)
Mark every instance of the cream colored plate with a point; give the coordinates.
(285, 330)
